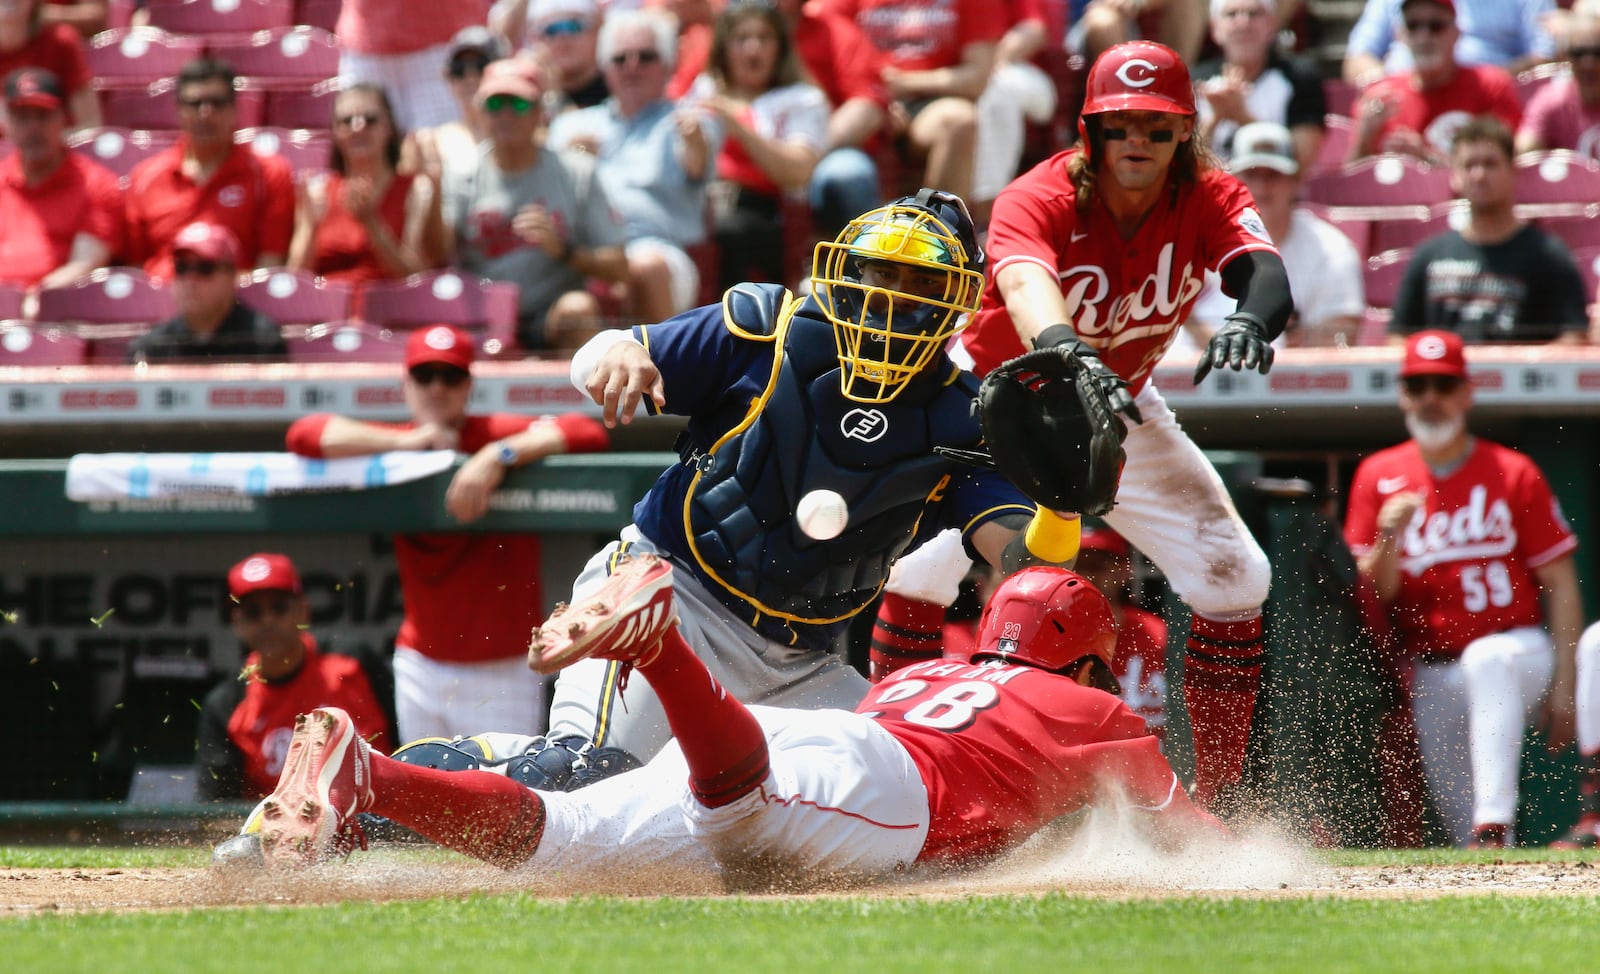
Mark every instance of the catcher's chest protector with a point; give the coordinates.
(803, 435)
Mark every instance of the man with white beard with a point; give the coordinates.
(1467, 548)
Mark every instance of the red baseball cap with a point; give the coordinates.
(208, 241)
(1099, 538)
(34, 88)
(439, 343)
(1434, 352)
(263, 573)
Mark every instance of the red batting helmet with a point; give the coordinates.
(1137, 76)
(1046, 617)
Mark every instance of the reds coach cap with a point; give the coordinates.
(34, 88)
(439, 343)
(263, 573)
(1434, 352)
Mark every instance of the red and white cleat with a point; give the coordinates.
(623, 620)
(326, 781)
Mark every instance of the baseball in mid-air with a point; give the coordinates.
(822, 514)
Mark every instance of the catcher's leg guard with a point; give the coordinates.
(567, 764)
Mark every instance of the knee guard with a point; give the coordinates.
(567, 764)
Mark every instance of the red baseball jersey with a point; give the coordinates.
(1468, 556)
(1005, 750)
(1126, 298)
(1141, 666)
(1435, 114)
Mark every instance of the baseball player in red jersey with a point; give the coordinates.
(1100, 252)
(1459, 537)
(470, 598)
(944, 763)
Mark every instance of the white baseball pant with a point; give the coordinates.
(434, 698)
(1471, 714)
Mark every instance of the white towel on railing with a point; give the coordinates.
(111, 476)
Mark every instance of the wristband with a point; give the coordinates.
(1052, 537)
(1056, 335)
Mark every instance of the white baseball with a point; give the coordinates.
(822, 514)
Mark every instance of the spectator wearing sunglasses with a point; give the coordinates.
(1416, 113)
(654, 157)
(212, 324)
(454, 145)
(207, 177)
(246, 720)
(1465, 545)
(1565, 112)
(562, 35)
(1497, 278)
(1509, 34)
(364, 221)
(539, 218)
(471, 598)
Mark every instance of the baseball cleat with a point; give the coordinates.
(1584, 835)
(623, 620)
(1489, 836)
(326, 781)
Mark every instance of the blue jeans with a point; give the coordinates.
(844, 185)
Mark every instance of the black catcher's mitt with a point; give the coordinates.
(1051, 429)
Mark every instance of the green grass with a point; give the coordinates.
(835, 935)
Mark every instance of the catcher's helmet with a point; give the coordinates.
(1136, 76)
(1046, 617)
(889, 327)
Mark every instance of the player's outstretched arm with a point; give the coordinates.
(616, 372)
(1244, 341)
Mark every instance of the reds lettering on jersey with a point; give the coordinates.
(1468, 557)
(1126, 298)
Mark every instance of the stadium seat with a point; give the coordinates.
(155, 106)
(318, 13)
(219, 16)
(284, 57)
(1337, 136)
(352, 341)
(133, 57)
(1356, 228)
(1406, 232)
(1340, 96)
(296, 297)
(1557, 183)
(302, 149)
(1532, 79)
(109, 298)
(22, 344)
(1588, 260)
(446, 296)
(119, 149)
(302, 109)
(11, 301)
(1374, 327)
(1381, 278)
(1577, 232)
(1381, 187)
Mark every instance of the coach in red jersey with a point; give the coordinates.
(246, 723)
(470, 598)
(1100, 252)
(1462, 540)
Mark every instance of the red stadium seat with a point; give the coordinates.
(219, 16)
(21, 344)
(110, 298)
(118, 149)
(1382, 277)
(449, 297)
(1374, 327)
(307, 109)
(284, 57)
(1337, 136)
(1557, 183)
(11, 301)
(1531, 80)
(296, 297)
(1407, 231)
(318, 13)
(155, 106)
(1577, 232)
(1588, 260)
(302, 149)
(1381, 187)
(133, 57)
(352, 341)
(1340, 96)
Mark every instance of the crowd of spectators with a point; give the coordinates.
(633, 159)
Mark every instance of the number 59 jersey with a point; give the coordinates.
(1003, 750)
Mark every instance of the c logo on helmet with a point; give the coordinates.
(1137, 73)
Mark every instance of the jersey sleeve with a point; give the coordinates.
(1025, 225)
(700, 360)
(1236, 227)
(983, 496)
(1361, 511)
(1543, 534)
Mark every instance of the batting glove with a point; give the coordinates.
(1241, 343)
(1064, 338)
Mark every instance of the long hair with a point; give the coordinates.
(786, 70)
(1192, 161)
(397, 138)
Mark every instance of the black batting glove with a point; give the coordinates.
(1064, 338)
(1241, 343)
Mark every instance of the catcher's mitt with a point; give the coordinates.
(1051, 429)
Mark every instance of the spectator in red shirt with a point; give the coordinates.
(937, 60)
(471, 599)
(208, 177)
(364, 221)
(27, 41)
(60, 213)
(246, 723)
(1417, 113)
